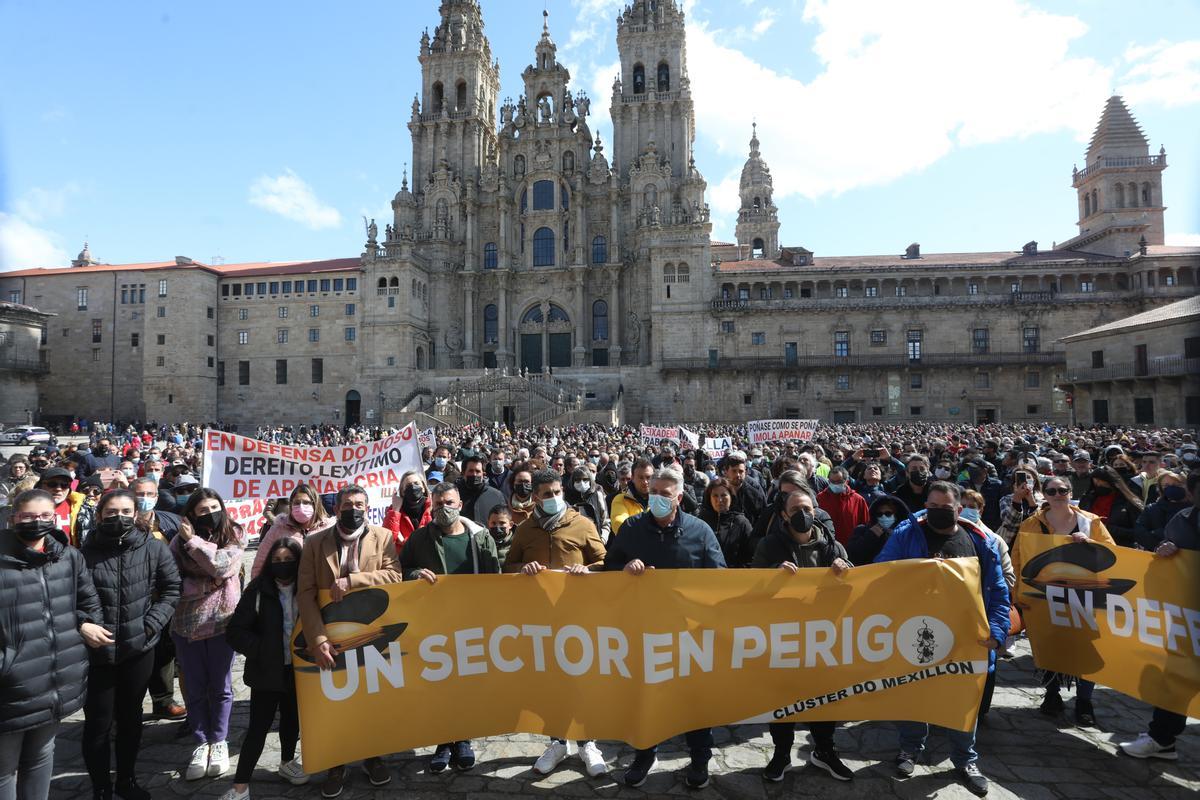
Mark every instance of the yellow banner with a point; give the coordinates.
(1116, 616)
(641, 659)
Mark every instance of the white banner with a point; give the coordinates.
(777, 430)
(247, 472)
(717, 448)
(427, 438)
(654, 434)
(693, 439)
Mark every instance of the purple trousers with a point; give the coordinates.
(207, 686)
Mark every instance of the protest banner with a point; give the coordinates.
(654, 434)
(641, 658)
(692, 439)
(1120, 617)
(718, 447)
(778, 430)
(248, 472)
(427, 438)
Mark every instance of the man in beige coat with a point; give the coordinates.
(350, 555)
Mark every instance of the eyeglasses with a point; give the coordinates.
(28, 517)
(1056, 490)
(56, 487)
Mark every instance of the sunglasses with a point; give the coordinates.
(1056, 490)
(56, 487)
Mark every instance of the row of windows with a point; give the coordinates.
(314, 335)
(316, 371)
(263, 288)
(639, 78)
(980, 340)
(843, 292)
(916, 380)
(543, 250)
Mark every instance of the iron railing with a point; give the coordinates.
(1165, 367)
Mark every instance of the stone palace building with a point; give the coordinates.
(526, 246)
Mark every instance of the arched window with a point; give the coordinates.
(491, 326)
(639, 79)
(436, 99)
(683, 274)
(519, 166)
(558, 315)
(758, 204)
(533, 315)
(664, 77)
(394, 282)
(599, 250)
(569, 161)
(543, 195)
(669, 273)
(1087, 204)
(1119, 191)
(460, 96)
(382, 283)
(1133, 195)
(599, 321)
(758, 248)
(1146, 194)
(489, 256)
(1095, 201)
(543, 247)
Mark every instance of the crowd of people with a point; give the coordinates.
(119, 570)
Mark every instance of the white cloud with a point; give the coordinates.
(290, 197)
(1183, 239)
(900, 86)
(1164, 73)
(24, 245)
(38, 203)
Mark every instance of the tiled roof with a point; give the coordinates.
(225, 270)
(1173, 312)
(1172, 250)
(1002, 258)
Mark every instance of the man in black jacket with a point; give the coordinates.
(798, 541)
(663, 537)
(747, 497)
(35, 563)
(478, 498)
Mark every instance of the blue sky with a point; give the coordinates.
(264, 131)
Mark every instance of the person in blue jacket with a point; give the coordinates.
(663, 537)
(940, 535)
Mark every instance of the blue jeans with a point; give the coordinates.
(27, 762)
(962, 744)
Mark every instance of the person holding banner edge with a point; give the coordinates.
(805, 544)
(350, 555)
(665, 538)
(938, 535)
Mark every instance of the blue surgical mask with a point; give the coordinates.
(439, 463)
(837, 488)
(146, 504)
(661, 507)
(552, 505)
(970, 514)
(886, 521)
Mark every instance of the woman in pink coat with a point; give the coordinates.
(305, 517)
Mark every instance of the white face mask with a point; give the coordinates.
(582, 487)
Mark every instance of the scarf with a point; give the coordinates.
(348, 552)
(549, 523)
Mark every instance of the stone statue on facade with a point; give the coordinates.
(390, 231)
(454, 337)
(634, 326)
(372, 230)
(547, 115)
(583, 105)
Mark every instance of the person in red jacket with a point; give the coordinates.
(845, 507)
(410, 508)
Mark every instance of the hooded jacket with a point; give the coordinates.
(778, 546)
(908, 541)
(734, 533)
(425, 550)
(137, 582)
(1152, 523)
(575, 541)
(864, 545)
(47, 596)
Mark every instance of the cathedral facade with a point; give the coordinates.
(522, 246)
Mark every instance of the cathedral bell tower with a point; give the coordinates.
(453, 120)
(652, 97)
(758, 218)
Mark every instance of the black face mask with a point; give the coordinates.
(474, 481)
(1101, 490)
(941, 518)
(523, 489)
(918, 478)
(115, 528)
(207, 524)
(34, 530)
(101, 451)
(351, 519)
(414, 493)
(689, 471)
(498, 533)
(285, 570)
(801, 521)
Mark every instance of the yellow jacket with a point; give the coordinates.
(1086, 522)
(623, 507)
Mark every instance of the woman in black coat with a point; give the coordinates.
(734, 532)
(48, 616)
(261, 630)
(138, 584)
(1112, 499)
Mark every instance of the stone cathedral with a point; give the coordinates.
(534, 274)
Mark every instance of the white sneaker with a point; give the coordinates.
(593, 759)
(234, 794)
(218, 759)
(293, 772)
(198, 766)
(555, 754)
(1144, 746)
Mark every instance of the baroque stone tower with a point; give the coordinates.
(758, 218)
(1119, 188)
